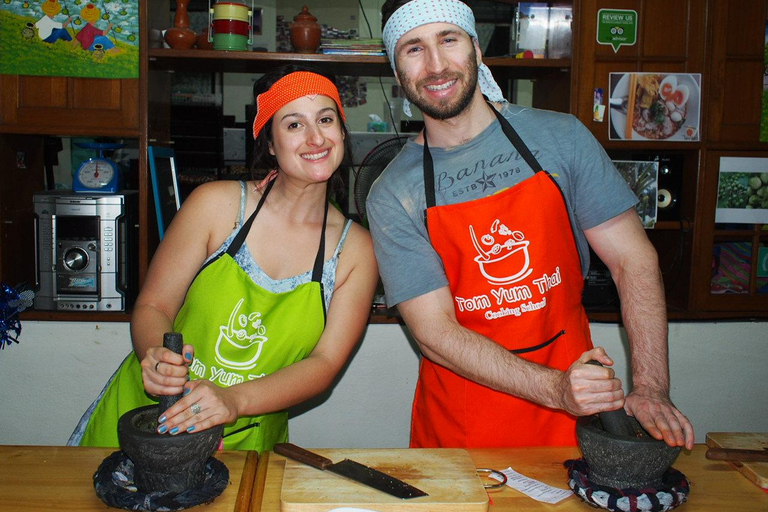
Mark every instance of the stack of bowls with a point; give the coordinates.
(231, 27)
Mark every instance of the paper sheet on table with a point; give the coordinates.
(533, 488)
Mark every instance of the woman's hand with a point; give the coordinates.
(165, 372)
(203, 406)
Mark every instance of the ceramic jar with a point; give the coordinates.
(180, 36)
(305, 32)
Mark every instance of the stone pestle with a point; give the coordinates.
(174, 342)
(617, 422)
(164, 462)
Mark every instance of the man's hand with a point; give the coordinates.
(586, 389)
(659, 417)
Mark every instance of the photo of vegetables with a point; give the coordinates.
(742, 192)
(643, 178)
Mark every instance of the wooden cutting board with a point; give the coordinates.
(756, 472)
(447, 475)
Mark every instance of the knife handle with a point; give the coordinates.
(294, 452)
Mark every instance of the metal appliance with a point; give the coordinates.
(86, 251)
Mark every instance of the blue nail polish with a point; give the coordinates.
(162, 429)
(174, 431)
(162, 419)
(190, 429)
(188, 356)
(186, 391)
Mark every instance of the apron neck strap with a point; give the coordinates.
(317, 271)
(511, 134)
(237, 242)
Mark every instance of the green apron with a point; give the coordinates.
(240, 332)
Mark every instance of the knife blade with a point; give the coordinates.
(352, 470)
(739, 454)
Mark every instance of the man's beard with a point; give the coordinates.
(443, 110)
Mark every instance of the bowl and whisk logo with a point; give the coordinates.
(502, 254)
(241, 341)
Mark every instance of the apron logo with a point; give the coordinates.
(239, 346)
(502, 262)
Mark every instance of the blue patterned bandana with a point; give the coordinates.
(421, 12)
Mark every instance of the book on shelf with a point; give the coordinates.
(352, 46)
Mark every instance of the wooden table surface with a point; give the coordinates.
(715, 485)
(60, 478)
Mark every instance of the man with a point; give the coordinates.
(489, 280)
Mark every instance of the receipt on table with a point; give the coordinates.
(533, 488)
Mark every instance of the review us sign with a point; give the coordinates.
(616, 27)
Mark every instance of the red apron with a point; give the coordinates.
(515, 275)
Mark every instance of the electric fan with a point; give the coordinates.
(372, 166)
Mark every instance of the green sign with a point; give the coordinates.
(616, 27)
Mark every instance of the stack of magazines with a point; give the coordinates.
(352, 47)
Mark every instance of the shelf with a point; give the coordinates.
(365, 65)
(72, 316)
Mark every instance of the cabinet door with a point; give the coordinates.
(737, 71)
(22, 164)
(69, 106)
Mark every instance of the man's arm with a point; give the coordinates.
(581, 390)
(621, 243)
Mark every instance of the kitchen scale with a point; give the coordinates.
(98, 174)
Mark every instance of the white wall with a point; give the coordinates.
(719, 379)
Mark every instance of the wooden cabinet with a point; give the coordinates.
(69, 106)
(737, 74)
(671, 38)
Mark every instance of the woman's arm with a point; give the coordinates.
(356, 279)
(207, 214)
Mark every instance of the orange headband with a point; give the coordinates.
(290, 87)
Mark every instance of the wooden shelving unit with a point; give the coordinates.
(720, 39)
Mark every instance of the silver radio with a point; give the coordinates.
(86, 251)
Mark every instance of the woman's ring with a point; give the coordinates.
(195, 408)
(156, 365)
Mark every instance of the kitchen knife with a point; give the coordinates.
(352, 470)
(738, 454)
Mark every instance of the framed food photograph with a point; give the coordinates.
(165, 185)
(655, 106)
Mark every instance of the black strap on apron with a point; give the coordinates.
(317, 269)
(514, 138)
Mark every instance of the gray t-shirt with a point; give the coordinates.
(594, 191)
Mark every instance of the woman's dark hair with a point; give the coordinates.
(388, 8)
(263, 162)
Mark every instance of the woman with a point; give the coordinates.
(271, 309)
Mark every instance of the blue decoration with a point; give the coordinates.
(12, 302)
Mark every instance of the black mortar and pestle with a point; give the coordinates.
(620, 453)
(163, 462)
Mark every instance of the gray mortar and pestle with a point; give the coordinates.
(620, 453)
(163, 462)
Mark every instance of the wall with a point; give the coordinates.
(48, 379)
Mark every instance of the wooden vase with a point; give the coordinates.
(180, 36)
(305, 32)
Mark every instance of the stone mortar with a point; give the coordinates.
(623, 462)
